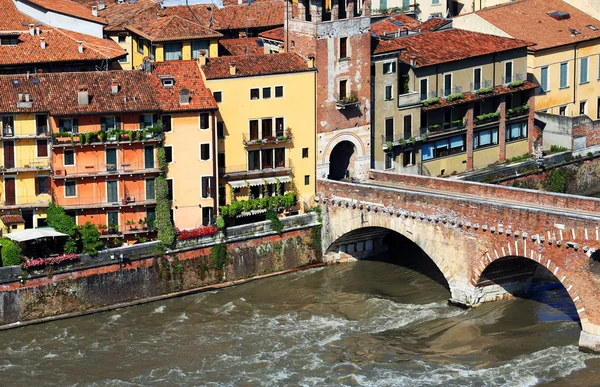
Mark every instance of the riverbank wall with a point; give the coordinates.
(119, 277)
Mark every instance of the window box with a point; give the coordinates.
(517, 111)
(485, 118)
(347, 102)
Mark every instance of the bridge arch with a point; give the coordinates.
(508, 274)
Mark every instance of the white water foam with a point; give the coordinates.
(160, 309)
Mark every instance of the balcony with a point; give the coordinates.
(485, 84)
(387, 145)
(508, 79)
(103, 169)
(30, 201)
(68, 139)
(281, 138)
(100, 201)
(408, 99)
(238, 171)
(347, 101)
(428, 95)
(445, 93)
(444, 128)
(25, 165)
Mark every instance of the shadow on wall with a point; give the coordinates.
(341, 161)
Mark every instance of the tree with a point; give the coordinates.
(90, 239)
(11, 253)
(61, 222)
(166, 231)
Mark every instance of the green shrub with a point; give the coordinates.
(90, 239)
(11, 253)
(218, 256)
(514, 84)
(220, 223)
(431, 101)
(162, 159)
(61, 222)
(166, 231)
(389, 145)
(487, 116)
(558, 181)
(272, 202)
(557, 149)
(455, 97)
(485, 90)
(276, 223)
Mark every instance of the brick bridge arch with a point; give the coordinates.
(463, 235)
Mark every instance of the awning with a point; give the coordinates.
(256, 182)
(34, 233)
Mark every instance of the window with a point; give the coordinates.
(166, 123)
(485, 138)
(583, 71)
(306, 179)
(112, 218)
(267, 158)
(170, 189)
(123, 59)
(582, 108)
(544, 79)
(389, 93)
(198, 46)
(112, 191)
(206, 215)
(207, 183)
(218, 96)
(149, 157)
(9, 41)
(343, 48)
(150, 192)
(598, 109)
(41, 185)
(278, 91)
(70, 188)
(41, 125)
(111, 159)
(389, 67)
(516, 131)
(389, 160)
(267, 128)
(253, 160)
(221, 159)
(279, 157)
(407, 127)
(68, 125)
(424, 88)
(68, 157)
(343, 89)
(254, 93)
(253, 129)
(477, 78)
(150, 217)
(205, 152)
(447, 84)
(204, 121)
(562, 111)
(508, 72)
(305, 150)
(168, 153)
(279, 132)
(564, 75)
(220, 129)
(42, 148)
(140, 47)
(110, 123)
(122, 38)
(435, 2)
(146, 121)
(173, 51)
(389, 129)
(406, 159)
(266, 92)
(444, 147)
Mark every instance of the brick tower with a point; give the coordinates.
(336, 34)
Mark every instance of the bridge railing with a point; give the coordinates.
(525, 196)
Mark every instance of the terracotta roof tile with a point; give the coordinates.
(12, 219)
(13, 20)
(447, 46)
(243, 46)
(433, 23)
(247, 66)
(169, 28)
(394, 23)
(186, 74)
(61, 46)
(67, 7)
(277, 34)
(529, 20)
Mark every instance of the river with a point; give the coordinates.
(370, 323)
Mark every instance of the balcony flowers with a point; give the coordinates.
(36, 263)
(431, 101)
(196, 232)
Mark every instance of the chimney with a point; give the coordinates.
(80, 46)
(202, 60)
(184, 97)
(31, 29)
(413, 61)
(43, 43)
(20, 95)
(311, 62)
(94, 11)
(114, 88)
(83, 97)
(232, 69)
(27, 98)
(37, 30)
(101, 5)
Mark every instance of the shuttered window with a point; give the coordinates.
(41, 185)
(564, 75)
(583, 71)
(544, 79)
(42, 148)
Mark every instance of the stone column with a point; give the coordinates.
(470, 127)
(335, 10)
(502, 130)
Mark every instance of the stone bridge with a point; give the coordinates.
(486, 240)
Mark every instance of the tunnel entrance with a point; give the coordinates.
(341, 161)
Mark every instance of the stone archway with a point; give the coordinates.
(342, 161)
(343, 155)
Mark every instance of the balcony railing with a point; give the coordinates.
(506, 79)
(453, 90)
(428, 95)
(481, 85)
(410, 98)
(132, 199)
(280, 138)
(103, 169)
(245, 170)
(26, 201)
(25, 165)
(101, 137)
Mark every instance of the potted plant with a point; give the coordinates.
(131, 224)
(142, 223)
(113, 229)
(102, 228)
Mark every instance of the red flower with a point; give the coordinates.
(196, 232)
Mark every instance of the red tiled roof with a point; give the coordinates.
(67, 7)
(61, 46)
(529, 20)
(12, 219)
(390, 25)
(277, 34)
(433, 23)
(243, 46)
(13, 20)
(447, 46)
(170, 28)
(186, 74)
(247, 66)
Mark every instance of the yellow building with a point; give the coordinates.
(564, 57)
(189, 125)
(25, 168)
(171, 38)
(265, 125)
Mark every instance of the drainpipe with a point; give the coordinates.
(575, 75)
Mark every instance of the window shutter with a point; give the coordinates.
(103, 123)
(563, 75)
(141, 121)
(118, 123)
(584, 70)
(393, 67)
(544, 79)
(37, 186)
(75, 126)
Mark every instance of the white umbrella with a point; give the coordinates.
(34, 233)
